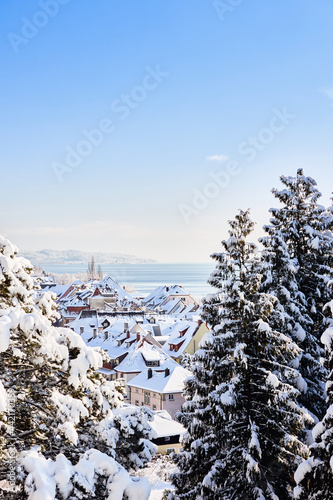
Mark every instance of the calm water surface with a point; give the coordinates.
(146, 277)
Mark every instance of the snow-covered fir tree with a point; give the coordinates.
(186, 360)
(314, 477)
(299, 250)
(63, 430)
(290, 315)
(241, 414)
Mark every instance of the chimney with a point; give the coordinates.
(106, 335)
(167, 372)
(199, 322)
(150, 373)
(94, 333)
(127, 334)
(138, 336)
(126, 326)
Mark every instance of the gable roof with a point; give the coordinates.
(141, 353)
(160, 296)
(181, 333)
(172, 383)
(166, 426)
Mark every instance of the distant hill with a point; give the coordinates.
(49, 257)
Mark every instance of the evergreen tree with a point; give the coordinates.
(314, 477)
(291, 315)
(63, 430)
(299, 254)
(240, 412)
(186, 360)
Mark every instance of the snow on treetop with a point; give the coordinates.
(327, 337)
(301, 471)
(272, 380)
(47, 476)
(5, 324)
(329, 305)
(263, 326)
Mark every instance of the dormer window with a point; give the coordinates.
(182, 332)
(153, 363)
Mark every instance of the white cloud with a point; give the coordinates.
(220, 158)
(327, 91)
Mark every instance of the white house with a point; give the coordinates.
(159, 390)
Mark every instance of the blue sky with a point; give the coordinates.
(222, 77)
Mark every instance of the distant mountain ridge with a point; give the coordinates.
(47, 256)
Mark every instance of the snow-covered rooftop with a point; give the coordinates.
(174, 382)
(166, 427)
(139, 354)
(160, 296)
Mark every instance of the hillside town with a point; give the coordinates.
(103, 391)
(149, 342)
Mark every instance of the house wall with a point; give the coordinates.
(129, 376)
(155, 401)
(137, 329)
(97, 303)
(173, 406)
(162, 448)
(160, 401)
(69, 320)
(76, 310)
(193, 346)
(188, 300)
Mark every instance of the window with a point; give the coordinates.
(81, 329)
(157, 331)
(154, 407)
(154, 395)
(152, 363)
(147, 398)
(171, 398)
(136, 402)
(170, 450)
(167, 438)
(136, 390)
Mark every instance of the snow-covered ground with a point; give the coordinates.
(157, 472)
(158, 489)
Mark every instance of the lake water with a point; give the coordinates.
(146, 277)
